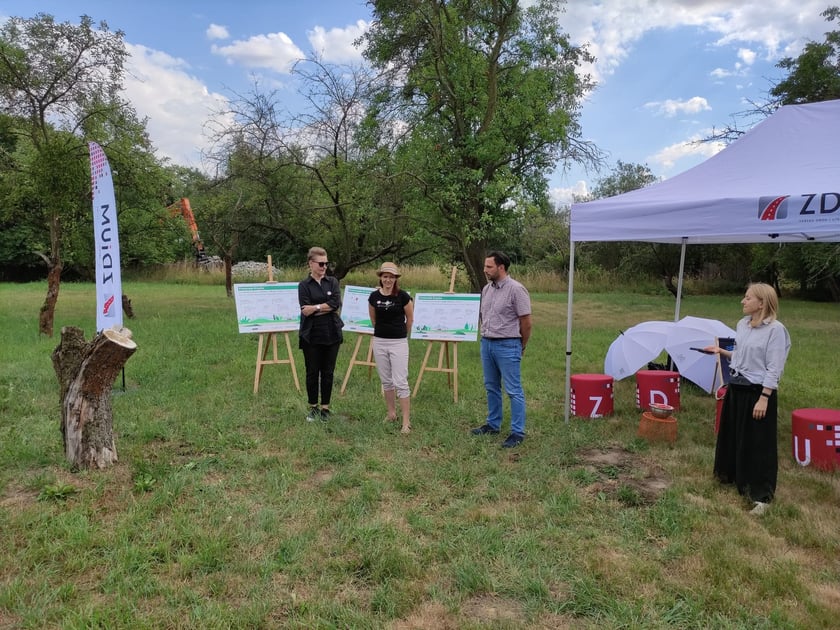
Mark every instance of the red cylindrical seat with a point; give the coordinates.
(815, 434)
(657, 386)
(591, 395)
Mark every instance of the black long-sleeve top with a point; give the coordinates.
(322, 327)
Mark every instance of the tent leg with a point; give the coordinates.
(680, 280)
(569, 330)
(671, 365)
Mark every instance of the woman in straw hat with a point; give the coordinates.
(392, 314)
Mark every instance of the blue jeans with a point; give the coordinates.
(501, 359)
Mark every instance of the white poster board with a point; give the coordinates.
(354, 309)
(446, 316)
(267, 307)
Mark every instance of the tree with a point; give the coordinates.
(491, 96)
(815, 74)
(55, 78)
(324, 176)
(86, 373)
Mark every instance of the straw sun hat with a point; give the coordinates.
(388, 267)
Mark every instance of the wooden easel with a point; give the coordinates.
(451, 370)
(270, 339)
(369, 362)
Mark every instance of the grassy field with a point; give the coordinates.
(228, 510)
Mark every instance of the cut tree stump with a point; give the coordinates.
(86, 372)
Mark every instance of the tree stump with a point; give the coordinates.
(86, 372)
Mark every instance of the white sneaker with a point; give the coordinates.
(759, 508)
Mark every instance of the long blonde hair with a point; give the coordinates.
(769, 299)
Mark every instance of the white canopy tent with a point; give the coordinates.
(779, 182)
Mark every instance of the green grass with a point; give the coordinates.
(228, 510)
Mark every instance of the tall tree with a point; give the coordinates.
(324, 176)
(491, 93)
(55, 78)
(815, 74)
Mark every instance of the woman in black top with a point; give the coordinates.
(320, 331)
(392, 314)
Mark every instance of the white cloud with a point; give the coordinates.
(564, 196)
(691, 149)
(274, 51)
(670, 108)
(747, 56)
(176, 103)
(613, 27)
(336, 44)
(217, 31)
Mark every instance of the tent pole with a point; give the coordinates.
(680, 280)
(569, 329)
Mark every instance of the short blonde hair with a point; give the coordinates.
(315, 251)
(769, 299)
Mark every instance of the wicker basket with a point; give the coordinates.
(655, 429)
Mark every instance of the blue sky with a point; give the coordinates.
(668, 70)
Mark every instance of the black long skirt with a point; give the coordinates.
(746, 453)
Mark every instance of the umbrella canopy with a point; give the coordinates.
(634, 347)
(697, 332)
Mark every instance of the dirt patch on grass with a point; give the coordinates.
(481, 611)
(9, 621)
(623, 475)
(429, 616)
(16, 497)
(490, 609)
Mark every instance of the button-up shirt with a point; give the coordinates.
(502, 304)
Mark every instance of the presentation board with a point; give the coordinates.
(267, 307)
(446, 316)
(354, 309)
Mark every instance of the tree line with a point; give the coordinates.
(435, 149)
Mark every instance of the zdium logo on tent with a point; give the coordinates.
(772, 208)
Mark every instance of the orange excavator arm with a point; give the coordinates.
(183, 208)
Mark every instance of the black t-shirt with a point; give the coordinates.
(390, 314)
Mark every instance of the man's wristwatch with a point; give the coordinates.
(318, 307)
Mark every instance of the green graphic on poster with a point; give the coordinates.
(354, 309)
(267, 307)
(446, 316)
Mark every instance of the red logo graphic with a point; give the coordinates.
(772, 208)
(107, 306)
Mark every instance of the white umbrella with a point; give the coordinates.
(634, 347)
(684, 341)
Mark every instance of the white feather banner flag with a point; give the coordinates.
(107, 243)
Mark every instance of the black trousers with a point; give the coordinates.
(320, 369)
(746, 452)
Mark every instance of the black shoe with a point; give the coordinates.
(514, 439)
(313, 414)
(485, 429)
(325, 414)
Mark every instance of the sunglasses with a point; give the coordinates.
(321, 263)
